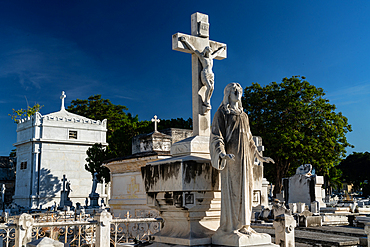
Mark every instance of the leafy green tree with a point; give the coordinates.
(99, 109)
(356, 169)
(23, 113)
(95, 157)
(122, 127)
(333, 179)
(298, 126)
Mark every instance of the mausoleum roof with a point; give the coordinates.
(66, 114)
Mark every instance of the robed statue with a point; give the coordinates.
(233, 152)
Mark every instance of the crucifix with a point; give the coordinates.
(156, 121)
(203, 52)
(64, 180)
(62, 98)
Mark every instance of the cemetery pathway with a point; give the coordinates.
(324, 236)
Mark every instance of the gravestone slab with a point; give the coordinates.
(304, 188)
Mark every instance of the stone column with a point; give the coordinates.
(367, 231)
(103, 229)
(23, 230)
(300, 207)
(284, 230)
(293, 207)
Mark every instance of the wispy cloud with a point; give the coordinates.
(351, 95)
(124, 97)
(35, 60)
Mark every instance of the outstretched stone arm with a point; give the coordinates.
(218, 51)
(187, 44)
(190, 47)
(260, 157)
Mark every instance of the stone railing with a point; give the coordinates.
(100, 230)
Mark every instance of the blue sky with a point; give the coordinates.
(122, 50)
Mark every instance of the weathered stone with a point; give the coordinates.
(303, 188)
(49, 146)
(45, 242)
(199, 40)
(284, 230)
(186, 192)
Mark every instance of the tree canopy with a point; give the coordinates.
(356, 169)
(122, 127)
(298, 126)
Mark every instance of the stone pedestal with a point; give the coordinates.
(103, 229)
(284, 230)
(195, 146)
(65, 201)
(240, 239)
(186, 192)
(94, 200)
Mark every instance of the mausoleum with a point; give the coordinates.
(50, 146)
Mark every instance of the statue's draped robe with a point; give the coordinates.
(231, 135)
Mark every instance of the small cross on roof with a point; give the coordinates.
(156, 121)
(62, 98)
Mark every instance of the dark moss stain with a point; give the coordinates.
(257, 171)
(215, 177)
(152, 173)
(170, 170)
(193, 169)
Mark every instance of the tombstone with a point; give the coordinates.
(315, 207)
(45, 242)
(65, 201)
(127, 185)
(279, 208)
(293, 207)
(260, 193)
(303, 187)
(307, 219)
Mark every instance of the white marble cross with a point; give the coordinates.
(196, 43)
(62, 98)
(156, 121)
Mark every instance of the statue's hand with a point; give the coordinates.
(268, 160)
(227, 156)
(182, 38)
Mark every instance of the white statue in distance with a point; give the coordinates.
(305, 169)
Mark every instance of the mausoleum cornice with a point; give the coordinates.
(69, 142)
(59, 117)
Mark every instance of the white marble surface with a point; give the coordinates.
(199, 39)
(43, 142)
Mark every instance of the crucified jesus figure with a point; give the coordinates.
(206, 75)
